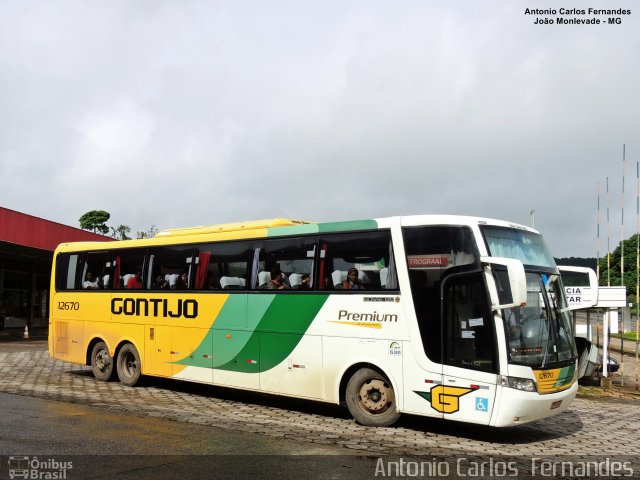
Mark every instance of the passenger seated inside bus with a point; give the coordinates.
(91, 282)
(351, 279)
(211, 283)
(135, 282)
(276, 282)
(337, 277)
(352, 282)
(160, 283)
(182, 282)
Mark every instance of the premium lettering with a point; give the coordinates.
(154, 307)
(367, 317)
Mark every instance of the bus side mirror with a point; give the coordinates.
(510, 282)
(580, 287)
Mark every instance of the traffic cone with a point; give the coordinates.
(26, 332)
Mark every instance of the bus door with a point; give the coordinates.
(469, 352)
(157, 350)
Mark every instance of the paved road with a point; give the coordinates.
(93, 444)
(591, 428)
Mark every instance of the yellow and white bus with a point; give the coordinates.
(453, 317)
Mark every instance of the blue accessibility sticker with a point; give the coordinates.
(482, 404)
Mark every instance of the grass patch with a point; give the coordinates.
(631, 336)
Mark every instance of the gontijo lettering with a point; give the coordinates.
(154, 307)
(367, 317)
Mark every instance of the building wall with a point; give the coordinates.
(26, 252)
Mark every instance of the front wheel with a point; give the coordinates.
(128, 365)
(371, 399)
(101, 362)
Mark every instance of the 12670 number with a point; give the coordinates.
(68, 305)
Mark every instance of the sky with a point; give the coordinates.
(183, 113)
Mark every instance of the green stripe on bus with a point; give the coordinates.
(257, 306)
(216, 349)
(278, 332)
(200, 356)
(566, 375)
(264, 328)
(233, 313)
(348, 226)
(324, 227)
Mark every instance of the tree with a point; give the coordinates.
(120, 232)
(151, 232)
(612, 273)
(589, 262)
(95, 221)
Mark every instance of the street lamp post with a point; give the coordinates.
(533, 218)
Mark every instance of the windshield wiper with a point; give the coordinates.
(546, 354)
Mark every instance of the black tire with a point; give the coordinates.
(101, 362)
(128, 365)
(371, 399)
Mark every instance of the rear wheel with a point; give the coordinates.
(371, 399)
(128, 365)
(101, 362)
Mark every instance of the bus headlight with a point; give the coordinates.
(524, 384)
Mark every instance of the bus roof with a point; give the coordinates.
(232, 227)
(280, 227)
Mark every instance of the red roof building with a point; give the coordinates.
(33, 232)
(26, 252)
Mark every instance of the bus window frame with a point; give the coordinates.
(324, 244)
(308, 241)
(315, 241)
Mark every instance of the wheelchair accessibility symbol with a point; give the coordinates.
(482, 404)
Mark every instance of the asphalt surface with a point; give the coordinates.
(98, 444)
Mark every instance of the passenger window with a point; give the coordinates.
(170, 268)
(129, 270)
(222, 266)
(97, 271)
(357, 261)
(66, 271)
(284, 264)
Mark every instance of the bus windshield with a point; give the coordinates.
(528, 247)
(539, 334)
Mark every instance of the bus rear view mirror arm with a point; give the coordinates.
(510, 282)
